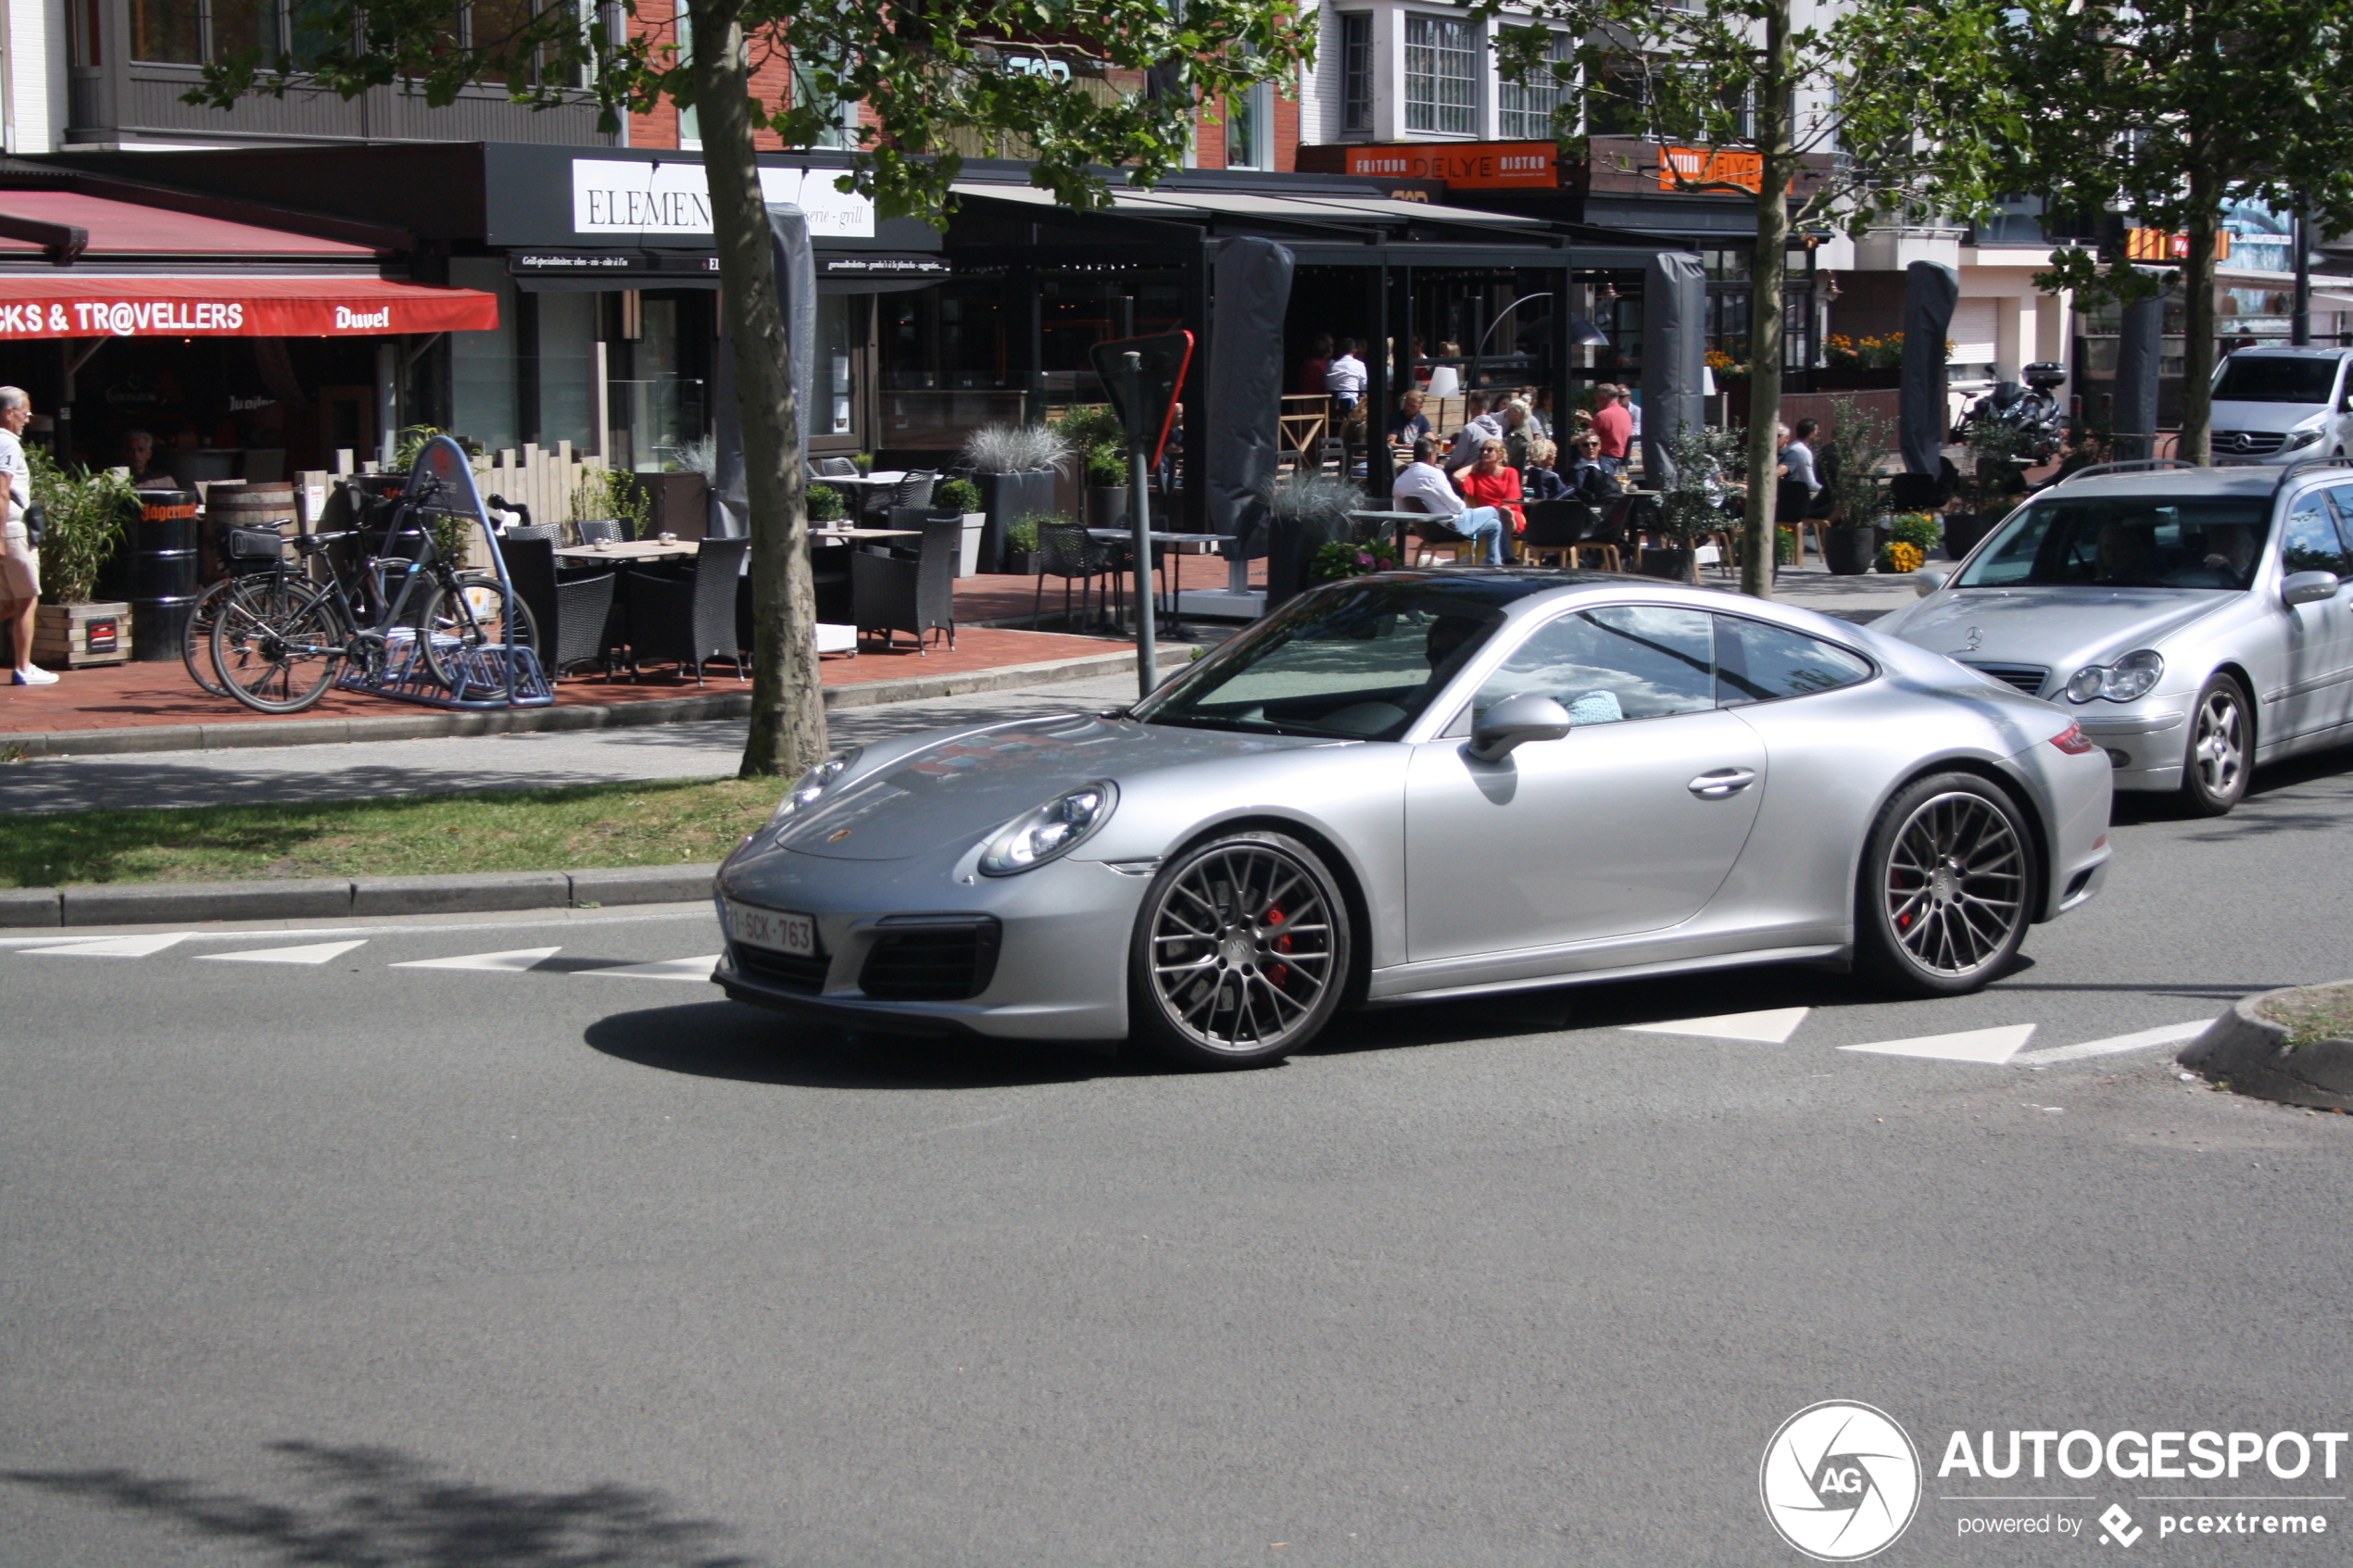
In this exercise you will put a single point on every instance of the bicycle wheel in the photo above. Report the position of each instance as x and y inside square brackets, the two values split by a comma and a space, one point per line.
[195, 643]
[478, 613]
[277, 644]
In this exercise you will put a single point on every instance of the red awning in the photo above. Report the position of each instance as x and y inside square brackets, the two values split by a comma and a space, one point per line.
[39, 305]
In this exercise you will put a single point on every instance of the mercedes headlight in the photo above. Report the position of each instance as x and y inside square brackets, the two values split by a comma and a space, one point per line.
[2300, 438]
[1054, 829]
[2129, 678]
[810, 786]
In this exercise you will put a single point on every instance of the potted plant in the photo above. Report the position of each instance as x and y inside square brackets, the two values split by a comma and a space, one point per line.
[1306, 512]
[1850, 457]
[1341, 560]
[89, 516]
[608, 495]
[1690, 507]
[962, 497]
[1914, 534]
[1998, 453]
[1013, 467]
[825, 505]
[863, 462]
[1107, 494]
[1022, 557]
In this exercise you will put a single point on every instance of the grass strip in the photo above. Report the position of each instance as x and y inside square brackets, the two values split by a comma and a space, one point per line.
[575, 829]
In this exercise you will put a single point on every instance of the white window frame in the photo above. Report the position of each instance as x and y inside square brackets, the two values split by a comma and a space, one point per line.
[1532, 101]
[1254, 109]
[1439, 31]
[1358, 72]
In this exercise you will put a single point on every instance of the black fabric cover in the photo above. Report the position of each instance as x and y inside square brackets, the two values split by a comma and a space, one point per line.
[1245, 387]
[1930, 290]
[1674, 355]
[2139, 342]
[797, 284]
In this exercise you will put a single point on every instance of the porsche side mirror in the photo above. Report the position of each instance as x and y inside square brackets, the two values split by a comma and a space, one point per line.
[2308, 587]
[1926, 583]
[1514, 722]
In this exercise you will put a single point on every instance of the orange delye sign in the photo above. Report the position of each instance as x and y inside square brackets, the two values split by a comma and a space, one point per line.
[1469, 165]
[1680, 167]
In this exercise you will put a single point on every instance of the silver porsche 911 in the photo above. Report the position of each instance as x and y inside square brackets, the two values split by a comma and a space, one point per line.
[2193, 622]
[1426, 784]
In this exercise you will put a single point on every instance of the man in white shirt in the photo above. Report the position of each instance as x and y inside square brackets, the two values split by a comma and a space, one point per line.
[1425, 482]
[20, 563]
[1344, 376]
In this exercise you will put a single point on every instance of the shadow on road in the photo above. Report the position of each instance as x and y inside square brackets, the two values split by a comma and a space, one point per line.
[378, 1508]
[729, 1040]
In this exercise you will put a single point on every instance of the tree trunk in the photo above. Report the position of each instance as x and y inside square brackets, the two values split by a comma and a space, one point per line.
[1766, 270]
[2196, 444]
[788, 703]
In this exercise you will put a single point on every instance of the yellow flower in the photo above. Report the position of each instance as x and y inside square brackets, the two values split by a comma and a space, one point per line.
[1902, 557]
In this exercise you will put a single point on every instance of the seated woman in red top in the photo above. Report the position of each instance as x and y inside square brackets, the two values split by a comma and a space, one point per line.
[1488, 481]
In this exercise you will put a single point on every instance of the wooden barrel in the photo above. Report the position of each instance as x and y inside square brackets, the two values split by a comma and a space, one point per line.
[243, 505]
[163, 573]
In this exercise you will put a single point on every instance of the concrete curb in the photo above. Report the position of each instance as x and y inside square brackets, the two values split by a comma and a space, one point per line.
[431, 724]
[339, 897]
[2252, 1054]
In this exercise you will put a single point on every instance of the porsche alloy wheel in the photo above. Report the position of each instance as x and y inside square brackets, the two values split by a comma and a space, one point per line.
[1239, 953]
[1946, 884]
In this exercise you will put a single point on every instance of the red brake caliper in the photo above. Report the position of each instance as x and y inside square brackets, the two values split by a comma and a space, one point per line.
[1280, 973]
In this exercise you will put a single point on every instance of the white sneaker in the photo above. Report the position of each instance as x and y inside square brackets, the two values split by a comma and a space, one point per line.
[32, 676]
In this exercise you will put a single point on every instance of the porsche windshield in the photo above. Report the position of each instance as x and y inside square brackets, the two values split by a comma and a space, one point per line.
[2126, 542]
[1357, 660]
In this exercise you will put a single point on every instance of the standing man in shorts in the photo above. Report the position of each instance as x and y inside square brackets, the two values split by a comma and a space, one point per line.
[19, 564]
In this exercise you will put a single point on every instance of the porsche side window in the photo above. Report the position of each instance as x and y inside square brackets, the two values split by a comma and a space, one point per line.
[1623, 662]
[2308, 542]
[1758, 663]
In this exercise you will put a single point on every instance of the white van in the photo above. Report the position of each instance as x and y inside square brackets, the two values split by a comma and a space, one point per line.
[2278, 405]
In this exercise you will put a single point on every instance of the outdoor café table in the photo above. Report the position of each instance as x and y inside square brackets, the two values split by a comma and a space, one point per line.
[851, 535]
[630, 550]
[866, 486]
[1175, 541]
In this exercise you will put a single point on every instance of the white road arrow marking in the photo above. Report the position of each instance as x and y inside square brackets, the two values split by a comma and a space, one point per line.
[1992, 1047]
[1772, 1027]
[507, 963]
[669, 968]
[114, 946]
[2171, 1034]
[318, 952]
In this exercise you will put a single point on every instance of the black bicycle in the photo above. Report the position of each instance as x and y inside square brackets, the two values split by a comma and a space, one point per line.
[279, 640]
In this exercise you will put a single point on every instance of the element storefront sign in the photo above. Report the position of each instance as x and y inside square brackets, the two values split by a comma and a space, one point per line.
[47, 306]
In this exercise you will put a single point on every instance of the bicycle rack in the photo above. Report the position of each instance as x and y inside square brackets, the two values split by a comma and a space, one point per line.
[493, 676]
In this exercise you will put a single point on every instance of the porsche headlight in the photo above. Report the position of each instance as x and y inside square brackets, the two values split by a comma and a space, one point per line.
[2130, 678]
[1054, 829]
[810, 786]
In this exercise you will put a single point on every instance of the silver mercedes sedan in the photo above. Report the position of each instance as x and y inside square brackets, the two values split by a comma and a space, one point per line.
[1426, 784]
[2193, 622]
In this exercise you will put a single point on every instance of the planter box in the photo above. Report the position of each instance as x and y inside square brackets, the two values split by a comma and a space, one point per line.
[1848, 552]
[73, 636]
[1107, 505]
[681, 503]
[1005, 499]
[1025, 563]
[1884, 378]
[968, 552]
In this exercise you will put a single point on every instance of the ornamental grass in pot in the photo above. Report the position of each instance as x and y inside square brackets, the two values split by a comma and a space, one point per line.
[1013, 466]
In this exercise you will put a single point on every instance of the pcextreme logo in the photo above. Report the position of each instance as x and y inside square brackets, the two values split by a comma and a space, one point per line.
[1840, 1481]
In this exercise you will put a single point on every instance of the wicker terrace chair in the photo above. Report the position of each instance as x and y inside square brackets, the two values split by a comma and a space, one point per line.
[690, 618]
[571, 612]
[891, 593]
[836, 468]
[913, 490]
[604, 531]
[1066, 552]
[1553, 529]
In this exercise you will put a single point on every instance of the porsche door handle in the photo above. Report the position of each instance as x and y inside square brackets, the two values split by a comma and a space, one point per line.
[1722, 783]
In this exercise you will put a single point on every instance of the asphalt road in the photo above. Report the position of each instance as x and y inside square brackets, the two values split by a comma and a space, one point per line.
[351, 1264]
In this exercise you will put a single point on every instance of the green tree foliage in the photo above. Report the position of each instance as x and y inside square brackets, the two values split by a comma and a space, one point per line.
[2167, 110]
[924, 70]
[1832, 109]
